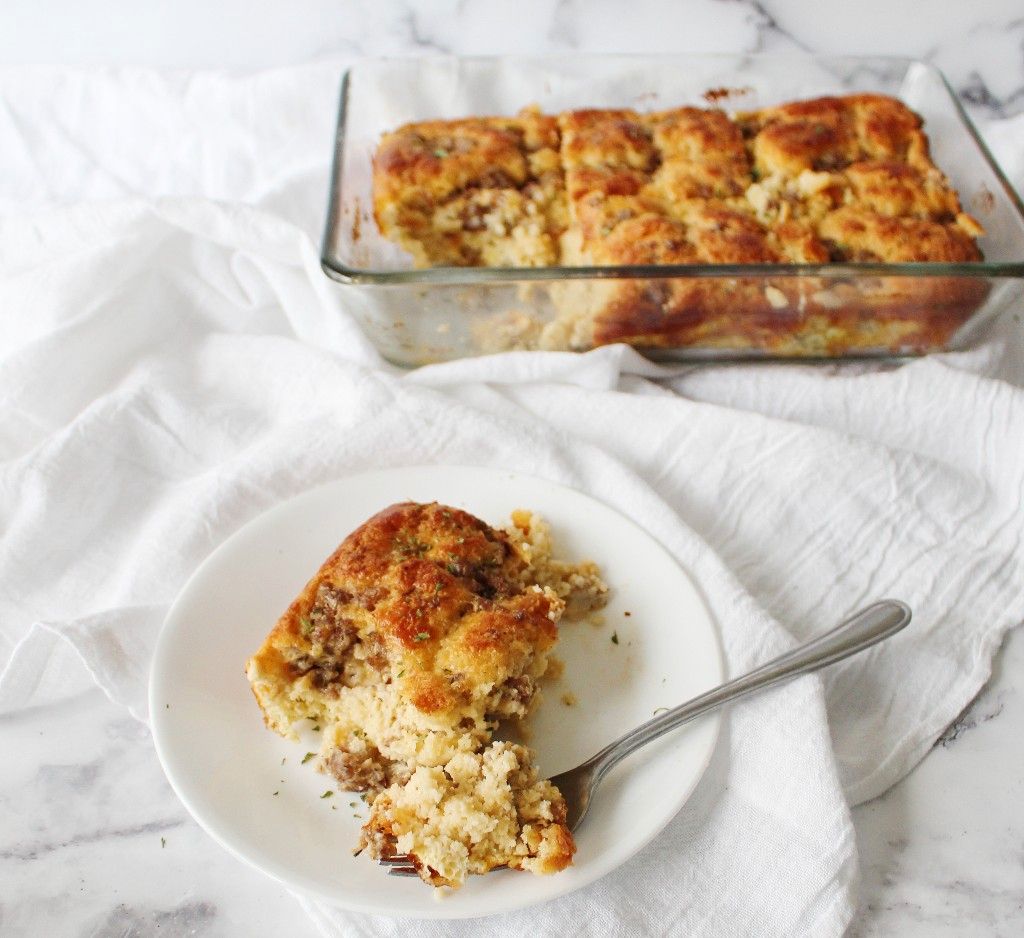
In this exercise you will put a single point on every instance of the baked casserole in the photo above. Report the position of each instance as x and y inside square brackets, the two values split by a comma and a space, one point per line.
[417, 637]
[833, 180]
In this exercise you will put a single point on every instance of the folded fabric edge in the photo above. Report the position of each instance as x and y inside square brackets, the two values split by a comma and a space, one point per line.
[25, 672]
[99, 647]
[901, 761]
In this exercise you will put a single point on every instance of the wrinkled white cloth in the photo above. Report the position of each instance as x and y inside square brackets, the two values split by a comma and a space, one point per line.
[173, 363]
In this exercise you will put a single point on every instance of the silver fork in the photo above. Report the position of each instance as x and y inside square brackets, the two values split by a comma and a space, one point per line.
[861, 630]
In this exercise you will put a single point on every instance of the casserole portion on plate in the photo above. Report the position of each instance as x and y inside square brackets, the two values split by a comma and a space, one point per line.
[417, 637]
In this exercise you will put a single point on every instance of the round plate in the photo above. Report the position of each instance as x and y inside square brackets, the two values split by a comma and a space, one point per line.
[247, 787]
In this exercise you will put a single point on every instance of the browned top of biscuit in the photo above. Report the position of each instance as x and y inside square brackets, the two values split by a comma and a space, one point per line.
[434, 596]
[828, 179]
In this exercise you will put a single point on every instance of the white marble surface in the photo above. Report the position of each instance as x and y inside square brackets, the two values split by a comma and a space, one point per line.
[977, 44]
[93, 841]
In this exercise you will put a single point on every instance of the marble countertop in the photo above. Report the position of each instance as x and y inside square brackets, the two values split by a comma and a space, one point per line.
[92, 839]
[978, 45]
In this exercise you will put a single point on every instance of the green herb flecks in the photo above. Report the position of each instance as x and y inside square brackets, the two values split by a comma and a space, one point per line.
[412, 548]
[307, 757]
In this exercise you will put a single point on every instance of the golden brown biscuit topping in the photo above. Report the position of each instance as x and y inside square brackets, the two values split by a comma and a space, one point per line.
[729, 185]
[828, 180]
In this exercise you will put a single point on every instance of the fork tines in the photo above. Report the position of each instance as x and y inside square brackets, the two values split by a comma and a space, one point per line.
[401, 864]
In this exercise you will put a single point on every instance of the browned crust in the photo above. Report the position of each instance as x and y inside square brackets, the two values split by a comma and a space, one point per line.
[437, 593]
[444, 190]
[831, 179]
[898, 315]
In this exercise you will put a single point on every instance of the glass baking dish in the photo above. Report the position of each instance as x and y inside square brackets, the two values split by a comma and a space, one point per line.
[881, 310]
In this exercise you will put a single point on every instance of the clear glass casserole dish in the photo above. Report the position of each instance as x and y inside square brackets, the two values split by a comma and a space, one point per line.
[778, 310]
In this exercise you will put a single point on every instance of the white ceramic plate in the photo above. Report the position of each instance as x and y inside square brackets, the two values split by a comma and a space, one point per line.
[226, 767]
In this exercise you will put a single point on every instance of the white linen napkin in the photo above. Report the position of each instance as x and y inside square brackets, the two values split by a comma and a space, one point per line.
[170, 368]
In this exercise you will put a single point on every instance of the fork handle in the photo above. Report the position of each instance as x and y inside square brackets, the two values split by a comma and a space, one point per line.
[861, 630]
